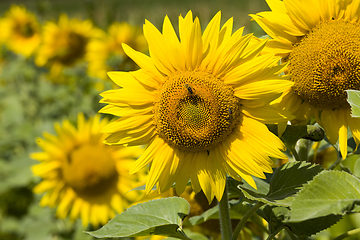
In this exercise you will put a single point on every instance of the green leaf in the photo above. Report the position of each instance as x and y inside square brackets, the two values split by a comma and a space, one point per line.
[261, 184]
[357, 168]
[279, 216]
[288, 179]
[157, 217]
[312, 226]
[330, 192]
[354, 101]
[285, 182]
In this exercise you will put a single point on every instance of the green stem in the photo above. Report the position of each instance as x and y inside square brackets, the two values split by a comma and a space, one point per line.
[303, 145]
[291, 234]
[348, 234]
[335, 164]
[273, 234]
[224, 215]
[294, 152]
[244, 219]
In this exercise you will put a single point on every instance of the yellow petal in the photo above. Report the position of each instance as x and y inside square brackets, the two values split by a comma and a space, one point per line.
[203, 174]
[331, 125]
[158, 166]
[143, 61]
[343, 132]
[150, 152]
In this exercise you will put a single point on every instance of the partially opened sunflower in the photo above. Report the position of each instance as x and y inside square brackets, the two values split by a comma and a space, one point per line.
[200, 103]
[83, 177]
[321, 41]
[64, 44]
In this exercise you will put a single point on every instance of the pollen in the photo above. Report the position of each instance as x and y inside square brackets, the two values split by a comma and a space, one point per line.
[196, 111]
[326, 62]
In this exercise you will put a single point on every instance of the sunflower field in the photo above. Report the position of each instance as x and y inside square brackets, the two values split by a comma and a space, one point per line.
[218, 119]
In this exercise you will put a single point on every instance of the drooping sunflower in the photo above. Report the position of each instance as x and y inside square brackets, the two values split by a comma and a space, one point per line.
[64, 44]
[320, 39]
[106, 54]
[81, 175]
[201, 102]
[20, 31]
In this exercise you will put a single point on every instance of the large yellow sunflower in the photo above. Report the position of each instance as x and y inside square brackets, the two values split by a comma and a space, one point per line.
[107, 54]
[81, 175]
[321, 41]
[64, 44]
[20, 31]
[200, 102]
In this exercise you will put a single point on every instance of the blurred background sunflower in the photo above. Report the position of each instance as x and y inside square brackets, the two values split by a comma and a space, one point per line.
[20, 31]
[82, 176]
[106, 54]
[51, 69]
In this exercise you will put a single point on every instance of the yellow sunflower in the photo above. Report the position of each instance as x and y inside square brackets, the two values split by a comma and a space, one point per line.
[64, 44]
[20, 31]
[81, 175]
[321, 41]
[107, 54]
[201, 103]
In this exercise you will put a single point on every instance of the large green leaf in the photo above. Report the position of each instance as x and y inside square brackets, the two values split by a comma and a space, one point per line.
[288, 179]
[312, 226]
[330, 192]
[285, 182]
[354, 101]
[279, 216]
[157, 217]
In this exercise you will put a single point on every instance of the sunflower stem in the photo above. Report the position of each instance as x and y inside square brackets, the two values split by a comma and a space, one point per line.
[224, 215]
[293, 151]
[335, 164]
[348, 234]
[241, 224]
[291, 234]
[273, 234]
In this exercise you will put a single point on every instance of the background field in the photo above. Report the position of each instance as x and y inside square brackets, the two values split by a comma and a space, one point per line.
[103, 12]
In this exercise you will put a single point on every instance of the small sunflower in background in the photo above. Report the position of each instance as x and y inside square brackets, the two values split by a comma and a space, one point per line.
[200, 103]
[107, 54]
[64, 44]
[320, 39]
[20, 31]
[83, 177]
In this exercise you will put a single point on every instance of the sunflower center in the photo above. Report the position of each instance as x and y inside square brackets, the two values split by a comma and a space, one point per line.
[25, 30]
[90, 170]
[196, 111]
[72, 47]
[326, 62]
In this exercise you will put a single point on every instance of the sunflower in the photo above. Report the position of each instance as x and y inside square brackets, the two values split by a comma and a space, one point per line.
[107, 54]
[320, 40]
[20, 31]
[201, 103]
[81, 175]
[64, 44]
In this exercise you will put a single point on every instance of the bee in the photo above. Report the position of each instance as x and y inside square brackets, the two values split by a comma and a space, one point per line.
[230, 111]
[190, 90]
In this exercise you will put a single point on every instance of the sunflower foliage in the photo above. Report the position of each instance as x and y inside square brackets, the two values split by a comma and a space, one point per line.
[198, 136]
